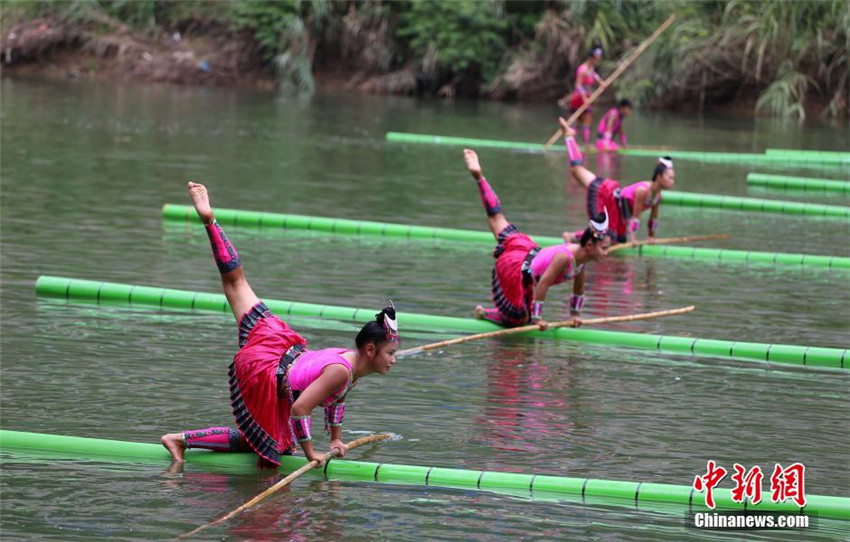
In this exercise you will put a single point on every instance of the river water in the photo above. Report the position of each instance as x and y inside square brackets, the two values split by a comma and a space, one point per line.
[86, 168]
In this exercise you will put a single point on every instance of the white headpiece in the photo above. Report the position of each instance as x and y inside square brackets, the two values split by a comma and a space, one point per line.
[666, 162]
[391, 326]
[600, 229]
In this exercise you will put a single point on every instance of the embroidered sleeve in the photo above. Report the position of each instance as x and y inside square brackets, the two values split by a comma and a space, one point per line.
[334, 413]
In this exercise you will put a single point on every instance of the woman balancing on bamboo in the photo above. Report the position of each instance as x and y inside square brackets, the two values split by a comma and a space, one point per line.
[623, 205]
[586, 77]
[275, 382]
[524, 272]
[611, 125]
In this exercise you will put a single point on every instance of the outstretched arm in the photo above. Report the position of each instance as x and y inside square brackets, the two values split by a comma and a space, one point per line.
[577, 299]
[557, 267]
[634, 221]
[333, 377]
[653, 220]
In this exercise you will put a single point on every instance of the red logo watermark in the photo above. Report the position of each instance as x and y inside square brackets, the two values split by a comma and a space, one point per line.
[785, 484]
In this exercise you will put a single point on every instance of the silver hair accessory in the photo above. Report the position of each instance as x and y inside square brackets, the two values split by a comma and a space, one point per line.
[597, 52]
[391, 326]
[600, 229]
[666, 163]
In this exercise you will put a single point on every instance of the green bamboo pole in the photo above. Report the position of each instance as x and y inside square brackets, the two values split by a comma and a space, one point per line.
[840, 161]
[643, 495]
[787, 182]
[124, 294]
[743, 256]
[735, 203]
[399, 137]
[254, 219]
[802, 152]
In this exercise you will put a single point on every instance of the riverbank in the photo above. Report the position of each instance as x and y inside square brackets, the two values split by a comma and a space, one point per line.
[712, 60]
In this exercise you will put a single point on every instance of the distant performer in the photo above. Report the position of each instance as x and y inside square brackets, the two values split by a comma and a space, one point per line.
[611, 125]
[586, 78]
[524, 272]
[623, 205]
[275, 381]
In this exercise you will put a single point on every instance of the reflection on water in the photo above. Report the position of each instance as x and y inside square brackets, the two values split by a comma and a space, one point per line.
[86, 169]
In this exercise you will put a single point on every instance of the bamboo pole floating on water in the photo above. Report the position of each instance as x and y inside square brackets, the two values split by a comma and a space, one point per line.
[341, 226]
[826, 162]
[288, 480]
[804, 152]
[670, 241]
[649, 496]
[787, 182]
[736, 203]
[791, 160]
[111, 293]
[611, 78]
[553, 325]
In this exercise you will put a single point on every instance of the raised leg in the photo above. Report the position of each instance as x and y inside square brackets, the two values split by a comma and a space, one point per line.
[238, 292]
[581, 174]
[495, 218]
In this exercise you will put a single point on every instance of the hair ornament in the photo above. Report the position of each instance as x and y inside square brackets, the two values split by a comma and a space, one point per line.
[390, 324]
[600, 229]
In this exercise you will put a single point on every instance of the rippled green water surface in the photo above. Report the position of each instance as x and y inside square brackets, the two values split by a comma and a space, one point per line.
[87, 167]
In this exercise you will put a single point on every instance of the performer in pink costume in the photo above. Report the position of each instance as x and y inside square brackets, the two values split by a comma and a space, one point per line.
[524, 272]
[624, 206]
[275, 382]
[611, 125]
[586, 78]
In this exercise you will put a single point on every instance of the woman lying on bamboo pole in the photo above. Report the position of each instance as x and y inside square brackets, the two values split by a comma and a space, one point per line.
[524, 272]
[623, 205]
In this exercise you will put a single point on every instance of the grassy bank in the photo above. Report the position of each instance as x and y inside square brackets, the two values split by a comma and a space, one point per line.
[780, 58]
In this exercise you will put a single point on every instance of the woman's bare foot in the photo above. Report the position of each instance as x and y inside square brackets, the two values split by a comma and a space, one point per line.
[479, 312]
[472, 164]
[569, 132]
[173, 442]
[201, 201]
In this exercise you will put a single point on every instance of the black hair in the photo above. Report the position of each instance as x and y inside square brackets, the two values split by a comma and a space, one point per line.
[624, 103]
[660, 168]
[593, 48]
[374, 331]
[588, 235]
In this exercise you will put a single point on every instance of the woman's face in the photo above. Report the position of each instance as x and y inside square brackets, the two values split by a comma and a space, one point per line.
[668, 178]
[598, 250]
[382, 358]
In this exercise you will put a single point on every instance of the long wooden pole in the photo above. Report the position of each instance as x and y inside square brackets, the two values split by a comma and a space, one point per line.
[288, 480]
[670, 241]
[611, 78]
[532, 327]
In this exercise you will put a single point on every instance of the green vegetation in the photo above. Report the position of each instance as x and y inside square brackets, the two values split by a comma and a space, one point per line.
[783, 55]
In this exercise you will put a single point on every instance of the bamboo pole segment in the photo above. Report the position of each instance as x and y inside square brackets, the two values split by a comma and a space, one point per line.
[670, 241]
[787, 182]
[116, 294]
[340, 226]
[553, 325]
[611, 78]
[620, 494]
[591, 149]
[288, 480]
[755, 205]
